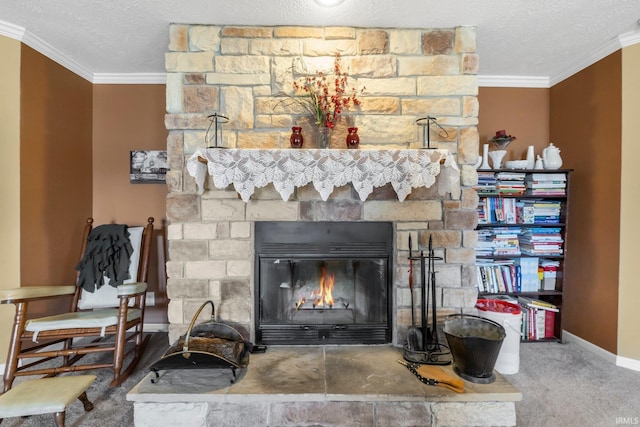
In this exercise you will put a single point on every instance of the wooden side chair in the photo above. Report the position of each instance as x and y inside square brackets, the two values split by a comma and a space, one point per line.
[109, 320]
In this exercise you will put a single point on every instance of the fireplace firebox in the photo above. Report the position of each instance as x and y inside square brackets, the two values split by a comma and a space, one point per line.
[323, 282]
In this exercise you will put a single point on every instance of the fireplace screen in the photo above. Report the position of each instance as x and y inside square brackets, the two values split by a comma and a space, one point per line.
[323, 283]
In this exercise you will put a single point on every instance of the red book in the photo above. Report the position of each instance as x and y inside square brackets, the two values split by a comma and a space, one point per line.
[549, 324]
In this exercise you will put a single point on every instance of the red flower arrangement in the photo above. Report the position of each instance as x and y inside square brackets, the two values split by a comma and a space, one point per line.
[327, 104]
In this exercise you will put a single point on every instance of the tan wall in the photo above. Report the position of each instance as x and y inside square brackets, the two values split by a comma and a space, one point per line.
[629, 292]
[10, 177]
[125, 118]
[585, 123]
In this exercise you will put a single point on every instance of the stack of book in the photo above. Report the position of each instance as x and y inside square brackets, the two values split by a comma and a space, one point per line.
[498, 241]
[538, 318]
[496, 210]
[511, 183]
[486, 184]
[484, 247]
[546, 184]
[538, 241]
[538, 211]
[546, 211]
[496, 276]
[506, 241]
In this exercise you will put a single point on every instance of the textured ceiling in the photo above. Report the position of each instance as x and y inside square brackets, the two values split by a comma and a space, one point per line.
[516, 39]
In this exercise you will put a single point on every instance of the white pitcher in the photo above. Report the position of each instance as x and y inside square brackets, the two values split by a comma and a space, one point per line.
[551, 157]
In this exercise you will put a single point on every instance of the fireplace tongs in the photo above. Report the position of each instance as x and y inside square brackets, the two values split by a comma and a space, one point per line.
[208, 345]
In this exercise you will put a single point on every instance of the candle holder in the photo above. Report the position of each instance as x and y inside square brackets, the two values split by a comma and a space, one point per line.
[216, 121]
[425, 122]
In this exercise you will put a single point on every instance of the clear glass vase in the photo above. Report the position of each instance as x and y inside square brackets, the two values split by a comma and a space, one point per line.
[323, 136]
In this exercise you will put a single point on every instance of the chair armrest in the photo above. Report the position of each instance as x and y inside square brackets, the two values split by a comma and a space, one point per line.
[130, 289]
[10, 296]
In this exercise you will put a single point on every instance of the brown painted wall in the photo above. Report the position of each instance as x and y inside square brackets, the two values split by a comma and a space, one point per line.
[125, 118]
[522, 112]
[55, 169]
[585, 122]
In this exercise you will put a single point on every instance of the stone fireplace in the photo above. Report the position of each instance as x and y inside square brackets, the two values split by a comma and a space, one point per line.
[217, 244]
[242, 72]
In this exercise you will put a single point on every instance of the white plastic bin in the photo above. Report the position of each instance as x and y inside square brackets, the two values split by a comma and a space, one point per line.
[509, 315]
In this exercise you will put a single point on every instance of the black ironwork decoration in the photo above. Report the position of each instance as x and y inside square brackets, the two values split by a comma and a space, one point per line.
[216, 121]
[426, 123]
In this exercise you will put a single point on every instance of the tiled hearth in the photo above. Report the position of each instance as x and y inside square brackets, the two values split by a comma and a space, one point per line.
[319, 386]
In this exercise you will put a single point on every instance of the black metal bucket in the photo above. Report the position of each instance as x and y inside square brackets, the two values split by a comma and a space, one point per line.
[475, 344]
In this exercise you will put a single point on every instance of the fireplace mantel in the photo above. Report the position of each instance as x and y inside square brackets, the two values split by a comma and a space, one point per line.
[286, 169]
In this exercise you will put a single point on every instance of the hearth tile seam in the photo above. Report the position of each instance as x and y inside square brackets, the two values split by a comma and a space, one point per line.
[324, 364]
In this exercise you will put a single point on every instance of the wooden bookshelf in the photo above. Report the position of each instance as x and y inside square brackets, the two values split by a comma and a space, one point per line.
[507, 209]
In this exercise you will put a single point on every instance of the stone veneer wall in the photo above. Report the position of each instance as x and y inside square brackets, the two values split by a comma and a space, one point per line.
[245, 73]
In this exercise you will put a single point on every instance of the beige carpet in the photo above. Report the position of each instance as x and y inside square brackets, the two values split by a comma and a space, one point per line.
[110, 404]
[566, 385]
[562, 385]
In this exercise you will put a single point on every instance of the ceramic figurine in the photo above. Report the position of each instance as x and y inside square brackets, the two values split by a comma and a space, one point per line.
[539, 164]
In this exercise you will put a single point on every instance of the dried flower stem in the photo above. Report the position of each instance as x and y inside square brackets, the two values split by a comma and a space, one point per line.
[325, 104]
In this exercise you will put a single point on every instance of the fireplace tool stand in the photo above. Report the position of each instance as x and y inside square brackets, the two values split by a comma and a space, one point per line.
[433, 351]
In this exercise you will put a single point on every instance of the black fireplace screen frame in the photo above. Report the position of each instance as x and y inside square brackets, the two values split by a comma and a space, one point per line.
[355, 241]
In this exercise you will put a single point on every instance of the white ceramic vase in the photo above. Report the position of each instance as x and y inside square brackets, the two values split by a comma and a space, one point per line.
[531, 157]
[485, 157]
[496, 158]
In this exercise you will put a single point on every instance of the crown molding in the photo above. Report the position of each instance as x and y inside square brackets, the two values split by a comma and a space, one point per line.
[55, 55]
[12, 31]
[513, 81]
[130, 78]
[586, 61]
[615, 44]
[19, 33]
[630, 38]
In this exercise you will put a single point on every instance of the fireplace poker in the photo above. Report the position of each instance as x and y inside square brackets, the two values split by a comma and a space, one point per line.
[414, 336]
[439, 354]
[433, 336]
[425, 300]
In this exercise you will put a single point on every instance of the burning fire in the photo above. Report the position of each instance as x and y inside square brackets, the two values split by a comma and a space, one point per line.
[323, 296]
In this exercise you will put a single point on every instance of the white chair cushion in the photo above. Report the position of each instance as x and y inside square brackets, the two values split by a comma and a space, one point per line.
[107, 295]
[43, 395]
[80, 319]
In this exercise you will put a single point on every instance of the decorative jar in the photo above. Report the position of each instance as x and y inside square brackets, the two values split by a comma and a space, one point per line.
[353, 140]
[296, 139]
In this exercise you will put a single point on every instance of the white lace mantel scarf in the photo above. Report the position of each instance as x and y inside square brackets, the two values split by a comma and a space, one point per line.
[248, 169]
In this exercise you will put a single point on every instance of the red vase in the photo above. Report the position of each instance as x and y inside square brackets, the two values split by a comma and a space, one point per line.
[296, 139]
[353, 140]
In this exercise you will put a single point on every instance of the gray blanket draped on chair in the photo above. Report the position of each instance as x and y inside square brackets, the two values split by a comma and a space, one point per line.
[107, 254]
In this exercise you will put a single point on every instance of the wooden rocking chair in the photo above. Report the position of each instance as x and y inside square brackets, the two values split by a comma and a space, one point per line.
[108, 320]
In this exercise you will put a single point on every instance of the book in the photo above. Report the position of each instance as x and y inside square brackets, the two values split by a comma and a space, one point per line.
[550, 324]
[540, 317]
[536, 303]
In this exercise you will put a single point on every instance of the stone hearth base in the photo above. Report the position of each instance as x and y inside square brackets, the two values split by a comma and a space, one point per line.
[319, 385]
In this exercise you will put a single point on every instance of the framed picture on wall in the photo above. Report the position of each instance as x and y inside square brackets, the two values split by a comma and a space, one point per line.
[148, 166]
